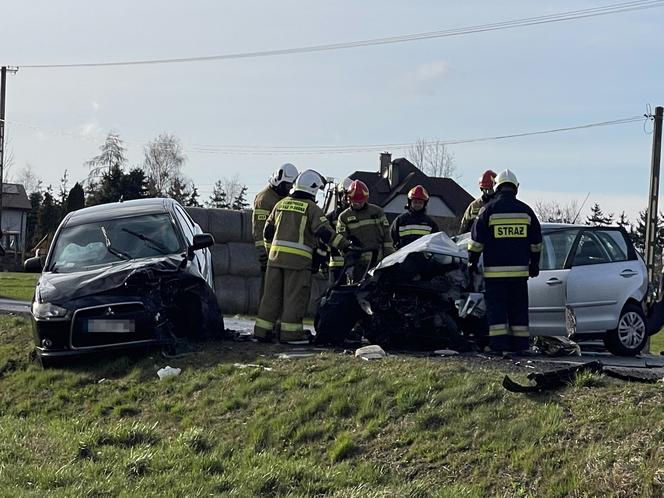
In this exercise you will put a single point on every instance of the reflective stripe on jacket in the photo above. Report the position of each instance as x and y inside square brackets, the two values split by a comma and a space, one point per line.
[264, 203]
[368, 227]
[410, 226]
[509, 234]
[471, 213]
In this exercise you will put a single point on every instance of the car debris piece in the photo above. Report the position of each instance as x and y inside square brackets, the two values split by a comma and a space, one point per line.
[372, 352]
[251, 365]
[551, 380]
[445, 352]
[556, 346]
[168, 371]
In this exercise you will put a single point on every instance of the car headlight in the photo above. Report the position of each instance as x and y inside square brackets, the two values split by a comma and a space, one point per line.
[48, 310]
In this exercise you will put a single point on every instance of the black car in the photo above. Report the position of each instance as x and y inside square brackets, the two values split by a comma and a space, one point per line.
[124, 274]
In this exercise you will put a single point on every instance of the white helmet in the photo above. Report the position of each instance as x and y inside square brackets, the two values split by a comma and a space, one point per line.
[285, 174]
[309, 182]
[344, 185]
[506, 176]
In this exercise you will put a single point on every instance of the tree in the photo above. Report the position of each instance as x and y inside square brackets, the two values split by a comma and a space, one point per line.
[75, 199]
[555, 212]
[117, 185]
[623, 221]
[178, 190]
[240, 201]
[192, 200]
[218, 198]
[49, 215]
[64, 186]
[36, 200]
[162, 163]
[29, 179]
[597, 217]
[112, 155]
[433, 158]
[638, 233]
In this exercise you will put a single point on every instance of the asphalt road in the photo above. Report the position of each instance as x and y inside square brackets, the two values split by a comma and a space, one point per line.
[13, 306]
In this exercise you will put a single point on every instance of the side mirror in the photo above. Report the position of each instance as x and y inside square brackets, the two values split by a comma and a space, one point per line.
[33, 265]
[201, 241]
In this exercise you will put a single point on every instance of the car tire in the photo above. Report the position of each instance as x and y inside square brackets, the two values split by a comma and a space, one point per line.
[631, 335]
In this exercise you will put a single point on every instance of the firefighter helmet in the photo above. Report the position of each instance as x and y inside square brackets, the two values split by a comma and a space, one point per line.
[418, 192]
[309, 182]
[505, 177]
[285, 174]
[487, 179]
[358, 192]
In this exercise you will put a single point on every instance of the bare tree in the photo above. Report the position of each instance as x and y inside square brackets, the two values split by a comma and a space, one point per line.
[112, 154]
[232, 186]
[555, 212]
[8, 161]
[164, 157]
[30, 180]
[434, 158]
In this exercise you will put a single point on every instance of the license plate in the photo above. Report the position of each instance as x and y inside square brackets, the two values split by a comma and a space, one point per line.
[112, 326]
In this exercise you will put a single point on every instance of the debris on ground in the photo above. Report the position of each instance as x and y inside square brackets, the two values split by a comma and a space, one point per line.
[168, 371]
[251, 365]
[445, 352]
[553, 379]
[372, 352]
[556, 346]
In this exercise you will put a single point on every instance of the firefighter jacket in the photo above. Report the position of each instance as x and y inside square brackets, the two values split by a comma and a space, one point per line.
[472, 211]
[509, 234]
[410, 226]
[264, 203]
[336, 258]
[368, 228]
[292, 229]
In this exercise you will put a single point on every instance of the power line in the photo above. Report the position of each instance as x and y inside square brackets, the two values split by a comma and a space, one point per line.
[481, 28]
[345, 149]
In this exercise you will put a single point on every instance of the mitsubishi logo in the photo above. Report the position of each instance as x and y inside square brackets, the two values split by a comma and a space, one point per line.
[109, 312]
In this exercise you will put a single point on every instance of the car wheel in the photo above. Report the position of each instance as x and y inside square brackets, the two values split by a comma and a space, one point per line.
[631, 335]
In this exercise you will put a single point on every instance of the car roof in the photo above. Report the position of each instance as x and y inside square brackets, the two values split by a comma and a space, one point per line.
[556, 226]
[118, 210]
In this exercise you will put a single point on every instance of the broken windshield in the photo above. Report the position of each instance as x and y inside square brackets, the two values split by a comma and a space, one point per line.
[93, 244]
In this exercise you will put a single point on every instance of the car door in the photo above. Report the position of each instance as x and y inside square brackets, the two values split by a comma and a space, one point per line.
[604, 272]
[547, 292]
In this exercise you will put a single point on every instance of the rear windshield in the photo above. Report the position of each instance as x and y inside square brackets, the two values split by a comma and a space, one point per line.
[93, 244]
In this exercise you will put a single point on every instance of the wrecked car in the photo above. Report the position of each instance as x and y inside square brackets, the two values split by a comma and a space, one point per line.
[121, 275]
[422, 297]
[592, 283]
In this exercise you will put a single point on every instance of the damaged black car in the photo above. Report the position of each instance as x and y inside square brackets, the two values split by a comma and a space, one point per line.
[125, 274]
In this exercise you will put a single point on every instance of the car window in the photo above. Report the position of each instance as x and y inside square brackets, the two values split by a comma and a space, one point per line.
[556, 245]
[615, 244]
[110, 241]
[185, 224]
[590, 250]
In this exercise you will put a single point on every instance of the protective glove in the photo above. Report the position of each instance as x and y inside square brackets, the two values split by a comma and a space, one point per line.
[533, 270]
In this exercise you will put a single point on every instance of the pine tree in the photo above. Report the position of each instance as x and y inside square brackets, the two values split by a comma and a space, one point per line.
[192, 200]
[49, 215]
[597, 217]
[218, 199]
[75, 199]
[623, 221]
[240, 202]
[36, 200]
[115, 185]
[178, 191]
[112, 155]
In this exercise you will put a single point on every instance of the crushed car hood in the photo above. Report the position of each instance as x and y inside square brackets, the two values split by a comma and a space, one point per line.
[58, 288]
[437, 243]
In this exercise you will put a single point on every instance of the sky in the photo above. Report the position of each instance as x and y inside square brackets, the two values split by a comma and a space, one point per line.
[486, 84]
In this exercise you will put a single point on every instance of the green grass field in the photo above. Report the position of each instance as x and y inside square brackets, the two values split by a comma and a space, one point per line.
[18, 285]
[328, 425]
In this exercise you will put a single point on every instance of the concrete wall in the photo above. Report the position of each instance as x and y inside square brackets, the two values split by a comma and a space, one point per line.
[235, 261]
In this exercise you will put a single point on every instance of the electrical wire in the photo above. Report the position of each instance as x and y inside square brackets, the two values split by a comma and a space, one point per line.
[239, 150]
[481, 28]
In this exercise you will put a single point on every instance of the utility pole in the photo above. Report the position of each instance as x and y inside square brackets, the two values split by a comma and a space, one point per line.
[651, 212]
[3, 89]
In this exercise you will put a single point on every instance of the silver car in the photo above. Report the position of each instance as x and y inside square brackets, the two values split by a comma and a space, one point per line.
[592, 280]
[595, 276]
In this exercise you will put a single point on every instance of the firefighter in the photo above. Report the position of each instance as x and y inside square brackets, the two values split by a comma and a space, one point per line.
[336, 261]
[291, 232]
[486, 186]
[366, 226]
[279, 184]
[415, 222]
[508, 233]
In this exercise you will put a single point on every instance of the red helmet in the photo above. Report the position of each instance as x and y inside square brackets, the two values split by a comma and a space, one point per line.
[487, 179]
[358, 191]
[418, 192]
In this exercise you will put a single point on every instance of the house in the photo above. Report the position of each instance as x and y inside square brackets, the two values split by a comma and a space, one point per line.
[15, 209]
[389, 186]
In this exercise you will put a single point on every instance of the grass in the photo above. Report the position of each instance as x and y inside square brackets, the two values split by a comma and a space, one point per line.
[657, 342]
[18, 285]
[328, 425]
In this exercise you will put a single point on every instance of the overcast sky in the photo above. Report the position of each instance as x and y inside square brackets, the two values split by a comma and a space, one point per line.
[502, 82]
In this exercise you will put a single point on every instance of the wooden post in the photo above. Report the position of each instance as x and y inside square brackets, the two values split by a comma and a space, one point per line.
[651, 212]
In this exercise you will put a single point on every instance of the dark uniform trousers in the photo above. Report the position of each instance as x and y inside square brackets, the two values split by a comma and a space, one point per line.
[285, 296]
[507, 309]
